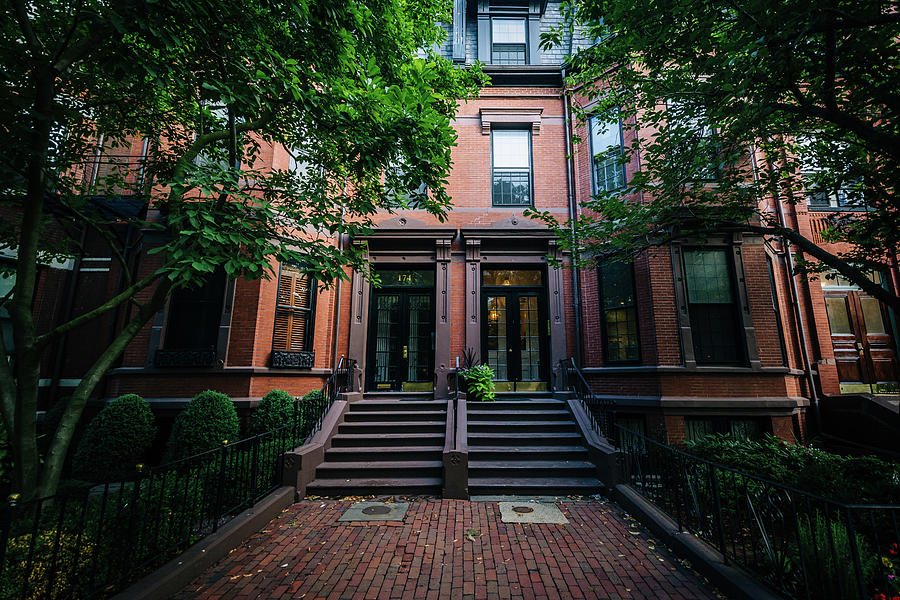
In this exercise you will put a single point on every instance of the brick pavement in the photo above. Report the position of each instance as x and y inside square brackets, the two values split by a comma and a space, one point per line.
[306, 553]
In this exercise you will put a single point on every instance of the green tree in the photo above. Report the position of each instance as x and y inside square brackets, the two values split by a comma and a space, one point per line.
[733, 104]
[344, 84]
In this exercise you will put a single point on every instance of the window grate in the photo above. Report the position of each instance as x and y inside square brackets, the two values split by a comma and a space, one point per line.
[512, 187]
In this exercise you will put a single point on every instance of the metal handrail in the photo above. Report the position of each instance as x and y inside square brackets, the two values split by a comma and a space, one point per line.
[600, 411]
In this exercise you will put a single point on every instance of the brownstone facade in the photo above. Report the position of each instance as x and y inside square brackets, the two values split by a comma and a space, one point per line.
[766, 390]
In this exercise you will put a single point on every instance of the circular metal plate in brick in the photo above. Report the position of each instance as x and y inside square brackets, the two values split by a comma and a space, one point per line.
[376, 510]
[522, 510]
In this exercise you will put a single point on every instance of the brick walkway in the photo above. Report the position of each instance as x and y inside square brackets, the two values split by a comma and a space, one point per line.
[306, 553]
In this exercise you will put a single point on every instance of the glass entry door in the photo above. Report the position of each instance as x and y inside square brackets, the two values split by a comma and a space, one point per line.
[401, 339]
[515, 332]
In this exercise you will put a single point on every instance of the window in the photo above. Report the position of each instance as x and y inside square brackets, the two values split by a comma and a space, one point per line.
[747, 428]
[398, 188]
[606, 153]
[631, 432]
[617, 303]
[294, 310]
[508, 46]
[712, 308]
[827, 186]
[194, 315]
[511, 162]
[695, 150]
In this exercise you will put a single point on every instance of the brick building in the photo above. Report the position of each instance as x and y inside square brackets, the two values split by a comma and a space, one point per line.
[729, 359]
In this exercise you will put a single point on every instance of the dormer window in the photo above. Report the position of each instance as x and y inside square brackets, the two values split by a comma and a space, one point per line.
[508, 41]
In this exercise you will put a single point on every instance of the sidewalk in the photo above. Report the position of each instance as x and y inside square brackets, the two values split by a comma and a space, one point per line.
[306, 553]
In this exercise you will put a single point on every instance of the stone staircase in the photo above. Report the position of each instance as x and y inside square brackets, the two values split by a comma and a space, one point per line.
[527, 446]
[387, 444]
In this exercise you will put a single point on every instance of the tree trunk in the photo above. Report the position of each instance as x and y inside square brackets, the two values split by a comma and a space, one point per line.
[62, 438]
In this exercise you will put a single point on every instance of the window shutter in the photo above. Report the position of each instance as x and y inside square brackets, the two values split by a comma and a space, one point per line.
[293, 310]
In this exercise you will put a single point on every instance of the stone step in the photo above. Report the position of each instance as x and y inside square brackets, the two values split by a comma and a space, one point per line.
[517, 405]
[518, 439]
[380, 469]
[538, 486]
[393, 427]
[530, 468]
[375, 486]
[388, 439]
[528, 452]
[351, 454]
[397, 415]
[397, 405]
[521, 427]
[500, 416]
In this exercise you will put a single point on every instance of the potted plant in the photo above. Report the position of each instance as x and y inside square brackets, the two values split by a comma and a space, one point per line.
[479, 383]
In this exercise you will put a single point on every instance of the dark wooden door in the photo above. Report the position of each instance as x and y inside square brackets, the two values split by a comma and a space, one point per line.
[864, 349]
[401, 341]
[514, 339]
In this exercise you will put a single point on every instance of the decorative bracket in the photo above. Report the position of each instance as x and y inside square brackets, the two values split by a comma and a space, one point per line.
[511, 116]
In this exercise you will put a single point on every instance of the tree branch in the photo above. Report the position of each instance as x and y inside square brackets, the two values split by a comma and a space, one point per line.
[110, 304]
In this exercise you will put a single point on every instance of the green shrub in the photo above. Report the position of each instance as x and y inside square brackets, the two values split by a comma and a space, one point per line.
[827, 556]
[276, 409]
[854, 480]
[115, 440]
[208, 420]
[310, 411]
[479, 382]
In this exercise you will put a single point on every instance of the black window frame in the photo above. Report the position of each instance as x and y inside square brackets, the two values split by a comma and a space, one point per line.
[696, 308]
[607, 155]
[218, 280]
[524, 45]
[603, 316]
[529, 134]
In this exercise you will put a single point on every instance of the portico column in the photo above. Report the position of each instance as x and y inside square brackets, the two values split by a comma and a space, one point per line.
[557, 314]
[473, 296]
[442, 318]
[359, 310]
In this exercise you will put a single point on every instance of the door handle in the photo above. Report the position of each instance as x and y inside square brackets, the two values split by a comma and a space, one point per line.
[860, 348]
[405, 352]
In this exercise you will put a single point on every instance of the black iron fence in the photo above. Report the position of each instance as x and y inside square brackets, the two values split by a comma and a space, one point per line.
[91, 542]
[600, 410]
[802, 545]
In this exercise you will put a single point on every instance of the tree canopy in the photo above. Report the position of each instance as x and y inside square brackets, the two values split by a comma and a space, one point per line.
[729, 105]
[349, 87]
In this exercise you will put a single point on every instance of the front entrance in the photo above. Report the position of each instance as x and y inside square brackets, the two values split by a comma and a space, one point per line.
[516, 329]
[401, 333]
[864, 349]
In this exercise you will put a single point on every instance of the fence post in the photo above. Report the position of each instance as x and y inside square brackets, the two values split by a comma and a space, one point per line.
[253, 468]
[133, 525]
[220, 492]
[718, 503]
[854, 548]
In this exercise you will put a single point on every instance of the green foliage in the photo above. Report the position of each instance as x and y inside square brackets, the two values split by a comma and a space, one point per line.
[211, 87]
[209, 420]
[115, 440]
[826, 551]
[276, 409]
[853, 480]
[750, 95]
[479, 382]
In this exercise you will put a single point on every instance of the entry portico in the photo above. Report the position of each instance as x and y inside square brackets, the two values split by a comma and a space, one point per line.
[496, 278]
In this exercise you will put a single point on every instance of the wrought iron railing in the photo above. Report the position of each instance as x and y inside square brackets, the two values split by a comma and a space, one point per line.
[802, 545]
[601, 411]
[341, 380]
[120, 173]
[91, 542]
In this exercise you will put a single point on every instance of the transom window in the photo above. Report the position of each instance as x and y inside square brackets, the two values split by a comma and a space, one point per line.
[606, 153]
[511, 165]
[712, 307]
[508, 46]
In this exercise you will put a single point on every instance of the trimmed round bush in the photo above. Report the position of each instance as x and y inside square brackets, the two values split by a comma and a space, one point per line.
[276, 409]
[208, 420]
[115, 440]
